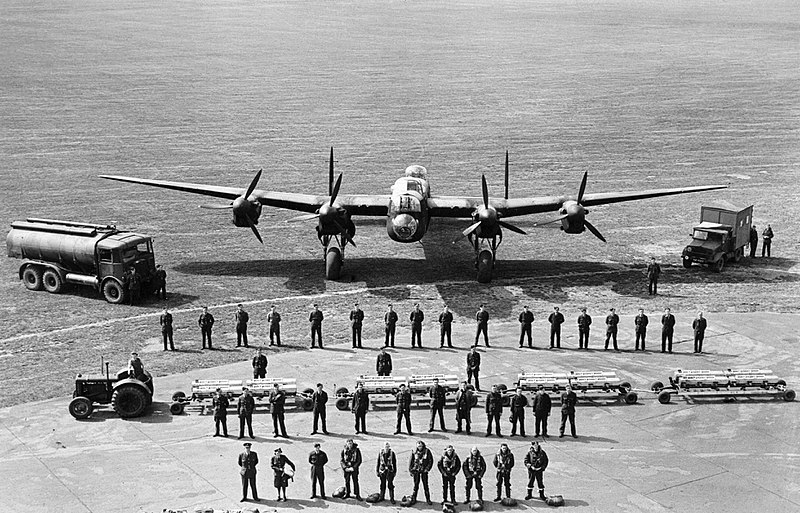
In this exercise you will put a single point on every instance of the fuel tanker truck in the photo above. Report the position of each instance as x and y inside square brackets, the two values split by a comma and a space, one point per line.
[55, 253]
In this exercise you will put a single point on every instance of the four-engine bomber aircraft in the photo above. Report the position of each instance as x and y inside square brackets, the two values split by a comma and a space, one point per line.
[408, 211]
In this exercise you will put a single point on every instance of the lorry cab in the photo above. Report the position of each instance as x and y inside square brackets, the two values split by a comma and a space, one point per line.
[116, 254]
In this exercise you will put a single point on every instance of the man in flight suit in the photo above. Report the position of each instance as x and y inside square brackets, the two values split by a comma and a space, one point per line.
[449, 465]
[474, 467]
[390, 321]
[536, 462]
[445, 326]
[556, 319]
[351, 461]
[315, 318]
[612, 323]
[482, 320]
[274, 320]
[260, 365]
[416, 317]
[242, 318]
[356, 321]
[464, 407]
[526, 319]
[206, 322]
[386, 469]
[494, 410]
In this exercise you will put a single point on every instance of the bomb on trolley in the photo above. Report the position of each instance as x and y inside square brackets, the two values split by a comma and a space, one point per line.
[587, 385]
[728, 384]
[203, 391]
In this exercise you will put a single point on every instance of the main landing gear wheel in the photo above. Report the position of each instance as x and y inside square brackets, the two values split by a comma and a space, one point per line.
[333, 264]
[32, 277]
[485, 265]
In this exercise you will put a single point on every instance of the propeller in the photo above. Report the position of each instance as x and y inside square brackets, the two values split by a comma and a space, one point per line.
[328, 213]
[575, 213]
[243, 208]
[487, 216]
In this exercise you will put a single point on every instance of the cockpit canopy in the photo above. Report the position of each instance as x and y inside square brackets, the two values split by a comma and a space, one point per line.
[416, 171]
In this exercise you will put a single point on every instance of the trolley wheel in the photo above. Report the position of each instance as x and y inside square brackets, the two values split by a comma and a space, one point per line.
[307, 404]
[656, 386]
[473, 402]
[177, 396]
[176, 408]
[789, 395]
[342, 404]
[342, 391]
[780, 383]
[664, 396]
[307, 391]
[470, 387]
[624, 387]
[631, 398]
[502, 388]
[32, 277]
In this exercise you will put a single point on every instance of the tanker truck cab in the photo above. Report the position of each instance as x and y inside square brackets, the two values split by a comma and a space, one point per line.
[116, 255]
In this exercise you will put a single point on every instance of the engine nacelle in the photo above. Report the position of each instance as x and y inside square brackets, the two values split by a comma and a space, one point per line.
[576, 214]
[244, 210]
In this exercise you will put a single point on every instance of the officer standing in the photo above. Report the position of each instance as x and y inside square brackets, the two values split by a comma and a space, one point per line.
[518, 404]
[526, 319]
[220, 406]
[161, 282]
[612, 323]
[766, 244]
[245, 408]
[315, 318]
[503, 462]
[383, 365]
[386, 468]
[247, 470]
[318, 459]
[403, 399]
[134, 286]
[277, 407]
[416, 317]
[542, 404]
[445, 326]
[699, 326]
[274, 320]
[135, 367]
[667, 328]
[166, 329]
[318, 400]
[641, 322]
[474, 367]
[536, 462]
[360, 408]
[753, 241]
[260, 365]
[242, 318]
[449, 465]
[584, 323]
[351, 461]
[474, 468]
[420, 463]
[494, 410]
[356, 321]
[437, 395]
[390, 322]
[281, 480]
[653, 272]
[482, 320]
[556, 319]
[206, 322]
[568, 401]
[464, 407]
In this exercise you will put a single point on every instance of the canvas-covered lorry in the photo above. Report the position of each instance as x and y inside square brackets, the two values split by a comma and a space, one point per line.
[55, 253]
[720, 237]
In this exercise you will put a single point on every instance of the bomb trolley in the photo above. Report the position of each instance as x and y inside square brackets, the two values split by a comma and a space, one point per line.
[382, 389]
[203, 391]
[727, 384]
[587, 385]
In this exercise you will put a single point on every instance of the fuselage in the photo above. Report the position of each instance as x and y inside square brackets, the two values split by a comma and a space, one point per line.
[407, 220]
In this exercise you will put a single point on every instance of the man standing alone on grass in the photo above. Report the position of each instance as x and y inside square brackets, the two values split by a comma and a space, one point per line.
[166, 329]
[482, 319]
[356, 321]
[526, 319]
[653, 272]
[316, 318]
[206, 322]
[274, 320]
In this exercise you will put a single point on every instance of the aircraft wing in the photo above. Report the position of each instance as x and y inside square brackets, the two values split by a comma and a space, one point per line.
[356, 204]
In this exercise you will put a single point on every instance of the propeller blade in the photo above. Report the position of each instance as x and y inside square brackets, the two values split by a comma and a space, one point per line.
[304, 217]
[594, 230]
[255, 230]
[512, 227]
[336, 189]
[330, 173]
[506, 174]
[253, 184]
[583, 186]
[471, 229]
[485, 191]
[217, 206]
[345, 235]
[542, 223]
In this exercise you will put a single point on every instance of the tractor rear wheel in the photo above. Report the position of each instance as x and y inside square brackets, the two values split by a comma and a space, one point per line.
[113, 292]
[51, 281]
[129, 401]
[485, 266]
[80, 407]
[32, 277]
[333, 264]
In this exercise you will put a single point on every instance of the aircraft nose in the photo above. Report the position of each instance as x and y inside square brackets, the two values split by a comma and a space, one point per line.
[405, 226]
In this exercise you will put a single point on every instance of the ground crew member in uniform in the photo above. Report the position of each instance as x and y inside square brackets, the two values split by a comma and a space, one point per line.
[166, 329]
[242, 319]
[526, 319]
[360, 408]
[386, 469]
[584, 323]
[277, 407]
[161, 282]
[482, 318]
[445, 326]
[699, 326]
[518, 404]
[420, 463]
[245, 408]
[556, 319]
[220, 406]
[437, 394]
[134, 286]
[653, 272]
[318, 459]
[464, 407]
[766, 244]
[247, 470]
[568, 401]
[351, 461]
[278, 464]
[536, 462]
[503, 462]
[260, 363]
[612, 323]
[641, 322]
[356, 321]
[753, 241]
[474, 467]
[274, 320]
[403, 399]
[318, 400]
[474, 367]
[383, 365]
[390, 321]
[206, 322]
[449, 465]
[416, 317]
[315, 318]
[135, 367]
[667, 327]
[494, 410]
[541, 410]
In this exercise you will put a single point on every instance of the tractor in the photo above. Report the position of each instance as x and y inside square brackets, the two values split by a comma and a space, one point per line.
[129, 396]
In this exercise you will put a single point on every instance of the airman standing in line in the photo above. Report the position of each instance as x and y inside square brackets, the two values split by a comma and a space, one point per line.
[482, 320]
[416, 317]
[474, 468]
[260, 363]
[315, 318]
[318, 400]
[245, 408]
[503, 462]
[474, 367]
[383, 365]
[360, 408]
[653, 272]
[351, 461]
[536, 462]
[494, 410]
[390, 321]
[542, 404]
[766, 244]
[247, 470]
[449, 465]
[667, 330]
[445, 326]
[242, 318]
[386, 469]
[220, 406]
[277, 407]
[356, 321]
[612, 323]
[699, 326]
[641, 322]
[556, 319]
[584, 323]
[568, 401]
[526, 319]
[420, 463]
[437, 394]
[403, 398]
[206, 322]
[318, 459]
[166, 329]
[518, 404]
[274, 320]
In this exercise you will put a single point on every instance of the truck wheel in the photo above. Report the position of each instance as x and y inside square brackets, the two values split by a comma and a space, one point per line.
[738, 254]
[32, 277]
[129, 401]
[631, 398]
[687, 262]
[51, 281]
[718, 266]
[342, 404]
[112, 291]
[664, 396]
[333, 264]
[80, 408]
[485, 266]
[176, 408]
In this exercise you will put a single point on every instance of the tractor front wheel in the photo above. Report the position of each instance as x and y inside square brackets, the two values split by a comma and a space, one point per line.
[80, 407]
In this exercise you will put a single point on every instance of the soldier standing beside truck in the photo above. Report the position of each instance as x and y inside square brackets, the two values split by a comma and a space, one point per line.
[161, 282]
[753, 241]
